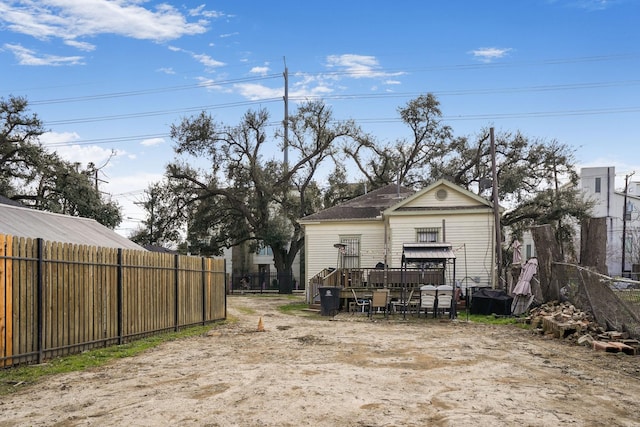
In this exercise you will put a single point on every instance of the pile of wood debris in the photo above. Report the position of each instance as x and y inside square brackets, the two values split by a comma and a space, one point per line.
[564, 320]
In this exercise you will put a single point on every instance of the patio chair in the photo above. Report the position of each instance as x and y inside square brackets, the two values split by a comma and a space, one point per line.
[361, 303]
[403, 306]
[380, 301]
[428, 300]
[445, 299]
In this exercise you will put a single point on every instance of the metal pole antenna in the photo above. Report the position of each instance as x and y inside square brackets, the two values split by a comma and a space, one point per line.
[624, 221]
[496, 209]
[286, 116]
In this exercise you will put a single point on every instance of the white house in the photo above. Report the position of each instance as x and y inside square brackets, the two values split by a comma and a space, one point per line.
[373, 228]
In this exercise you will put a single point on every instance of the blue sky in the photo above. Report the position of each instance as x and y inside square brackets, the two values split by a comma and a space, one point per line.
[108, 78]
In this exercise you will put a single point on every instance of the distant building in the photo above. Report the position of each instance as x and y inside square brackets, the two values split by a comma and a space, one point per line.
[598, 185]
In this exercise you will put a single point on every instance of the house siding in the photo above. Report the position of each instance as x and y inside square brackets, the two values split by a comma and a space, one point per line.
[320, 238]
[471, 236]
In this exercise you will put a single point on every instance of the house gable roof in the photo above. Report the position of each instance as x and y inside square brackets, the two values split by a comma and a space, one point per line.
[365, 207]
[30, 223]
[441, 195]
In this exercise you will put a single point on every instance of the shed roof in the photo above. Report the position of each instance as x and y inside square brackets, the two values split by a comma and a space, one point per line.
[427, 252]
[30, 223]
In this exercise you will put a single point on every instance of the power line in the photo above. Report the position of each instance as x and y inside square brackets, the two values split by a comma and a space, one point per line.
[159, 113]
[206, 85]
[543, 88]
[381, 120]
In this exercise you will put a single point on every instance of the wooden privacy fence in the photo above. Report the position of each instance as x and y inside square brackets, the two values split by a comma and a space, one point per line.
[59, 298]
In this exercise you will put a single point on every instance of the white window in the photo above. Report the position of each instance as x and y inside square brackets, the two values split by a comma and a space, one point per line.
[428, 235]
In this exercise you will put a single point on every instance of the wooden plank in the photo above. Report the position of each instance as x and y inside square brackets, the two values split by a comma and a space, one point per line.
[58, 308]
[89, 288]
[3, 290]
[9, 265]
[21, 300]
[6, 314]
[47, 299]
[62, 297]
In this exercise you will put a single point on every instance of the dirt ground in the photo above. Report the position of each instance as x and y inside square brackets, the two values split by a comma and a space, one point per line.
[343, 371]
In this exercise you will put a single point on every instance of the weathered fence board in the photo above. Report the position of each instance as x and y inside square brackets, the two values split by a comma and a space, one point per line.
[58, 298]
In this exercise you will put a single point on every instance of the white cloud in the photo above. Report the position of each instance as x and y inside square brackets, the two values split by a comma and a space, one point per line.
[488, 54]
[199, 11]
[87, 47]
[202, 58]
[152, 141]
[63, 144]
[210, 84]
[167, 70]
[357, 66]
[73, 19]
[259, 70]
[29, 57]
[590, 5]
[128, 191]
[207, 61]
[256, 92]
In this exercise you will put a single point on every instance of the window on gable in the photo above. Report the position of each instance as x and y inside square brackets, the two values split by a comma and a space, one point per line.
[428, 235]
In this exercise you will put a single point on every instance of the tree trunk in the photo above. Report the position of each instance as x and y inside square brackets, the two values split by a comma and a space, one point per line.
[548, 252]
[282, 261]
[593, 244]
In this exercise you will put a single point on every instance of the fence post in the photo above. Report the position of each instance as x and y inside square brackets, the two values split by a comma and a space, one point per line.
[176, 277]
[204, 290]
[120, 296]
[39, 300]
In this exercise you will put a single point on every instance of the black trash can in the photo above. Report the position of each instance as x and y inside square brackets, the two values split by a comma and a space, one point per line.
[329, 301]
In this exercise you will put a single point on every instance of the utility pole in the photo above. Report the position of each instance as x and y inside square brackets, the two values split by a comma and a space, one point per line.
[286, 116]
[496, 208]
[624, 221]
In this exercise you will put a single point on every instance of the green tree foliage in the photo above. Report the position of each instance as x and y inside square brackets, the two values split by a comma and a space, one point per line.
[242, 194]
[407, 160]
[41, 179]
[537, 180]
[167, 211]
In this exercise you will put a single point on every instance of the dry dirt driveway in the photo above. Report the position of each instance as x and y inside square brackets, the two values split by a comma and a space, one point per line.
[343, 371]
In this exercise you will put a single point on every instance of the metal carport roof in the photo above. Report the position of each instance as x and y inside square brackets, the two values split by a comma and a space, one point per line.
[25, 222]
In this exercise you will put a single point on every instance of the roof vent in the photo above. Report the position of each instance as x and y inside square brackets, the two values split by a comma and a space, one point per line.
[441, 194]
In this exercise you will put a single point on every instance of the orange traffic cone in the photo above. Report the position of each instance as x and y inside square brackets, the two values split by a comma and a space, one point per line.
[260, 325]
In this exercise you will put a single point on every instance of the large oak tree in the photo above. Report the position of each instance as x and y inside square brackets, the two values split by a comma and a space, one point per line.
[40, 179]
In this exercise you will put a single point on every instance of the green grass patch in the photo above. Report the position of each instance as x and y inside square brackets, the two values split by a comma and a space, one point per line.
[13, 379]
[300, 308]
[294, 308]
